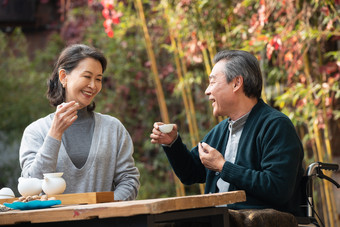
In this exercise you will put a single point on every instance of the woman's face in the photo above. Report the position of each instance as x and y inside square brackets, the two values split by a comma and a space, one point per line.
[83, 83]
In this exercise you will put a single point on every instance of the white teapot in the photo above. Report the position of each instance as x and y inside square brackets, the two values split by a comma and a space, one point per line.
[29, 186]
[53, 183]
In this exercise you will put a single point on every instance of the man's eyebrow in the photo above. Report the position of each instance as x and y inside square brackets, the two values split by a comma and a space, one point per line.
[212, 76]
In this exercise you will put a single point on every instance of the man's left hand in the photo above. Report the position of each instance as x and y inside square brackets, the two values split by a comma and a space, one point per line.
[210, 157]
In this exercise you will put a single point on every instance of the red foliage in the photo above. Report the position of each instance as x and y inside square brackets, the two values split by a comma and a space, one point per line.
[111, 16]
[274, 44]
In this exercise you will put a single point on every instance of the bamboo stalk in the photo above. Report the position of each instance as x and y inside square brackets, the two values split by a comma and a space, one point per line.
[264, 82]
[189, 93]
[185, 90]
[320, 150]
[159, 90]
[151, 55]
[208, 65]
[330, 159]
[315, 155]
[325, 184]
[326, 131]
[205, 55]
[324, 207]
[335, 218]
[330, 192]
[306, 68]
[189, 109]
[211, 46]
[182, 85]
[191, 104]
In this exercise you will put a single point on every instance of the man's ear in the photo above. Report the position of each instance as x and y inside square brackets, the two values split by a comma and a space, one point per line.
[237, 83]
[62, 77]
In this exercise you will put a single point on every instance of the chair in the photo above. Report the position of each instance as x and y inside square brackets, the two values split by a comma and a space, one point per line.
[313, 170]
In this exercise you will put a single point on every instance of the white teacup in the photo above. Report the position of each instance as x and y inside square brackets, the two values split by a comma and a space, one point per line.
[166, 128]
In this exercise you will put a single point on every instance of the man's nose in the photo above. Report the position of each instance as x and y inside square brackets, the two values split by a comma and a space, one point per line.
[207, 91]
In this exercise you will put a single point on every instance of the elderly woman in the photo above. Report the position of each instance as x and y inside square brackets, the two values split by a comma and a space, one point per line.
[93, 150]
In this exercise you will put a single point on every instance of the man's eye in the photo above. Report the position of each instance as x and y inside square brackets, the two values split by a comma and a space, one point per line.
[99, 80]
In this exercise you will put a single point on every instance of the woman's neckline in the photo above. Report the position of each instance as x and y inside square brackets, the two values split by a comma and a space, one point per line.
[83, 115]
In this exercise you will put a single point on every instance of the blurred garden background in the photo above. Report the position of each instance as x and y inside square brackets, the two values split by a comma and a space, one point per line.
[159, 57]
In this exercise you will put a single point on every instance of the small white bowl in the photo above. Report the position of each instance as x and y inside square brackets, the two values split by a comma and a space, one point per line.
[6, 193]
[6, 197]
[166, 128]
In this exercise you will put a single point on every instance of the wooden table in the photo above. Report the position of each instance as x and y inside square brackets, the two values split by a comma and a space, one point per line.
[148, 213]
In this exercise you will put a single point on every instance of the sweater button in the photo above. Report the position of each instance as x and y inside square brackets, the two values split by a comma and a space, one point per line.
[217, 173]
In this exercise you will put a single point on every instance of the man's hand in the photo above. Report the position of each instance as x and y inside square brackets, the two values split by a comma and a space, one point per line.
[210, 157]
[163, 138]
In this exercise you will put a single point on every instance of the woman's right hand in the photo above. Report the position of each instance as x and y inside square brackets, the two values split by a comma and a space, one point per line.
[162, 138]
[64, 116]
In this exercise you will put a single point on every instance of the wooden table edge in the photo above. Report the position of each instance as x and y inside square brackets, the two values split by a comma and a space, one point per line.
[120, 209]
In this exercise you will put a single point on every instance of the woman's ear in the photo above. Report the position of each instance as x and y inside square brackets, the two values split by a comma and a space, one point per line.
[62, 77]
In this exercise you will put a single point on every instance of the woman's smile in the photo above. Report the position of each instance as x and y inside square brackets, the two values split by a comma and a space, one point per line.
[84, 82]
[87, 94]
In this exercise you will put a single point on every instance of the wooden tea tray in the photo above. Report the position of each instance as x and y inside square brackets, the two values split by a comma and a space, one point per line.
[77, 198]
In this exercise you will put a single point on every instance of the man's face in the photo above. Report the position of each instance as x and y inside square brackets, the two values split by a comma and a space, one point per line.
[219, 91]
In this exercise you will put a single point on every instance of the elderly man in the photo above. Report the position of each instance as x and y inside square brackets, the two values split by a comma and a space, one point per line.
[256, 149]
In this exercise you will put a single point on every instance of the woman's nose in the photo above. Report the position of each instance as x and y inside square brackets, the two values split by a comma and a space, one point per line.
[92, 84]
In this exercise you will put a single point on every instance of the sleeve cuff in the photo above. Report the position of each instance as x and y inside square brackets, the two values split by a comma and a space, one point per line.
[169, 145]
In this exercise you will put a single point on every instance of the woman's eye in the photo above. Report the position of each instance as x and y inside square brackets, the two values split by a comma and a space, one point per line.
[99, 80]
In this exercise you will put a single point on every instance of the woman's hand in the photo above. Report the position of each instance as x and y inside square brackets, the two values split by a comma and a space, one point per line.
[162, 138]
[65, 115]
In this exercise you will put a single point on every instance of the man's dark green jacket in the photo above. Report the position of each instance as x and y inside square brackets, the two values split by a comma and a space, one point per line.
[268, 165]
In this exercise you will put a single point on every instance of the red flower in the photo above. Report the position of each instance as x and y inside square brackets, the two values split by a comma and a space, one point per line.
[110, 34]
[107, 23]
[110, 15]
[106, 13]
[115, 16]
[107, 4]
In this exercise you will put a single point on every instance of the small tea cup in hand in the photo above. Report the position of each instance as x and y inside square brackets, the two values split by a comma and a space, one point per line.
[166, 128]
